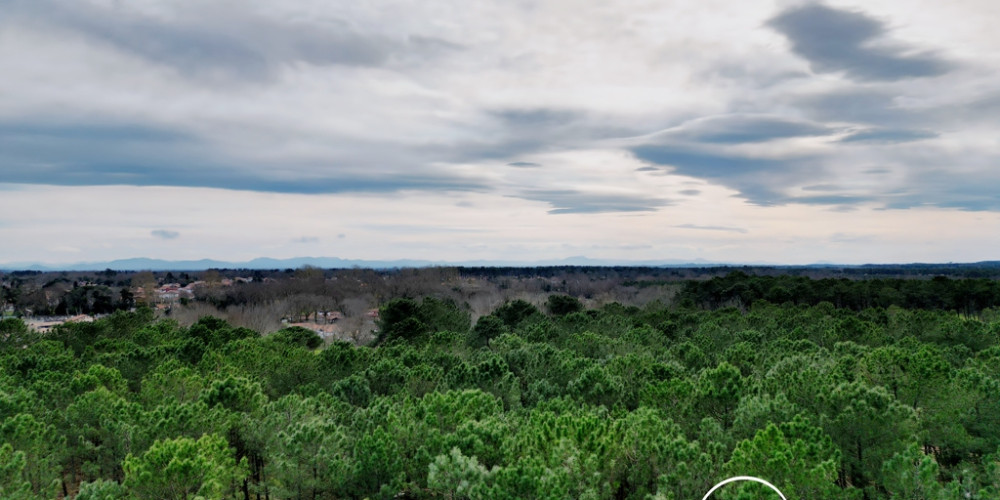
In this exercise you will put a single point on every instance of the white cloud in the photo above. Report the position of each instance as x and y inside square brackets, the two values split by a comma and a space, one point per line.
[397, 113]
[241, 226]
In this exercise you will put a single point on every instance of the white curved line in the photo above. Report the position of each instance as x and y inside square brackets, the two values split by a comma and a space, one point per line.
[743, 478]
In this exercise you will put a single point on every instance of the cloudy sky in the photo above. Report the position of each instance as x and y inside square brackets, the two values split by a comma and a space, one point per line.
[738, 131]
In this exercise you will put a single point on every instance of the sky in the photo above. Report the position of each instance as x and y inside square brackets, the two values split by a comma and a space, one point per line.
[746, 131]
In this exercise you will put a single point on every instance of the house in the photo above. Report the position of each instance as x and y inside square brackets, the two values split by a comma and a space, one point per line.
[45, 325]
[325, 331]
[328, 316]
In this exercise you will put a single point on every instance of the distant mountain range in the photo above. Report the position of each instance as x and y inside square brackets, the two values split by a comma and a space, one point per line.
[145, 264]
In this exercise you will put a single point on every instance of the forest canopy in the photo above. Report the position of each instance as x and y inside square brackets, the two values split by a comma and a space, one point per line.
[815, 385]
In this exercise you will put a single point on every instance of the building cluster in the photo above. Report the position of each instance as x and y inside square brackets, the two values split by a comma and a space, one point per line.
[46, 324]
[322, 322]
[169, 293]
[172, 292]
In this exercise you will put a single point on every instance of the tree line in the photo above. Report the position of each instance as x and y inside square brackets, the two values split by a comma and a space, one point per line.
[968, 296]
[547, 401]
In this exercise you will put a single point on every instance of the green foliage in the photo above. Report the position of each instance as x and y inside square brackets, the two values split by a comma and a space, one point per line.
[378, 462]
[719, 390]
[406, 319]
[38, 452]
[102, 428]
[561, 305]
[236, 394]
[444, 315]
[13, 485]
[296, 336]
[79, 336]
[214, 332]
[184, 468]
[869, 426]
[14, 334]
[824, 400]
[515, 312]
[396, 311]
[171, 381]
[912, 475]
[307, 459]
[487, 328]
[968, 295]
[99, 376]
[991, 475]
[102, 489]
[457, 476]
[798, 458]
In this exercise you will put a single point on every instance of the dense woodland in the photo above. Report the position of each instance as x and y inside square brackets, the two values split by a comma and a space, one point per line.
[259, 299]
[829, 388]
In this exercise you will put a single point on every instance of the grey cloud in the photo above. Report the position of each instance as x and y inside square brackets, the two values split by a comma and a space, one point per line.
[925, 187]
[822, 187]
[306, 239]
[965, 111]
[228, 177]
[713, 228]
[691, 192]
[132, 154]
[186, 48]
[835, 40]
[941, 187]
[877, 171]
[434, 44]
[736, 129]
[499, 149]
[749, 74]
[881, 111]
[165, 234]
[509, 134]
[711, 149]
[835, 199]
[947, 177]
[207, 43]
[353, 182]
[854, 105]
[568, 201]
[925, 175]
[532, 127]
[890, 136]
[986, 105]
[532, 118]
[845, 208]
[705, 165]
[251, 46]
[762, 181]
[96, 153]
[513, 133]
[757, 179]
[48, 131]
